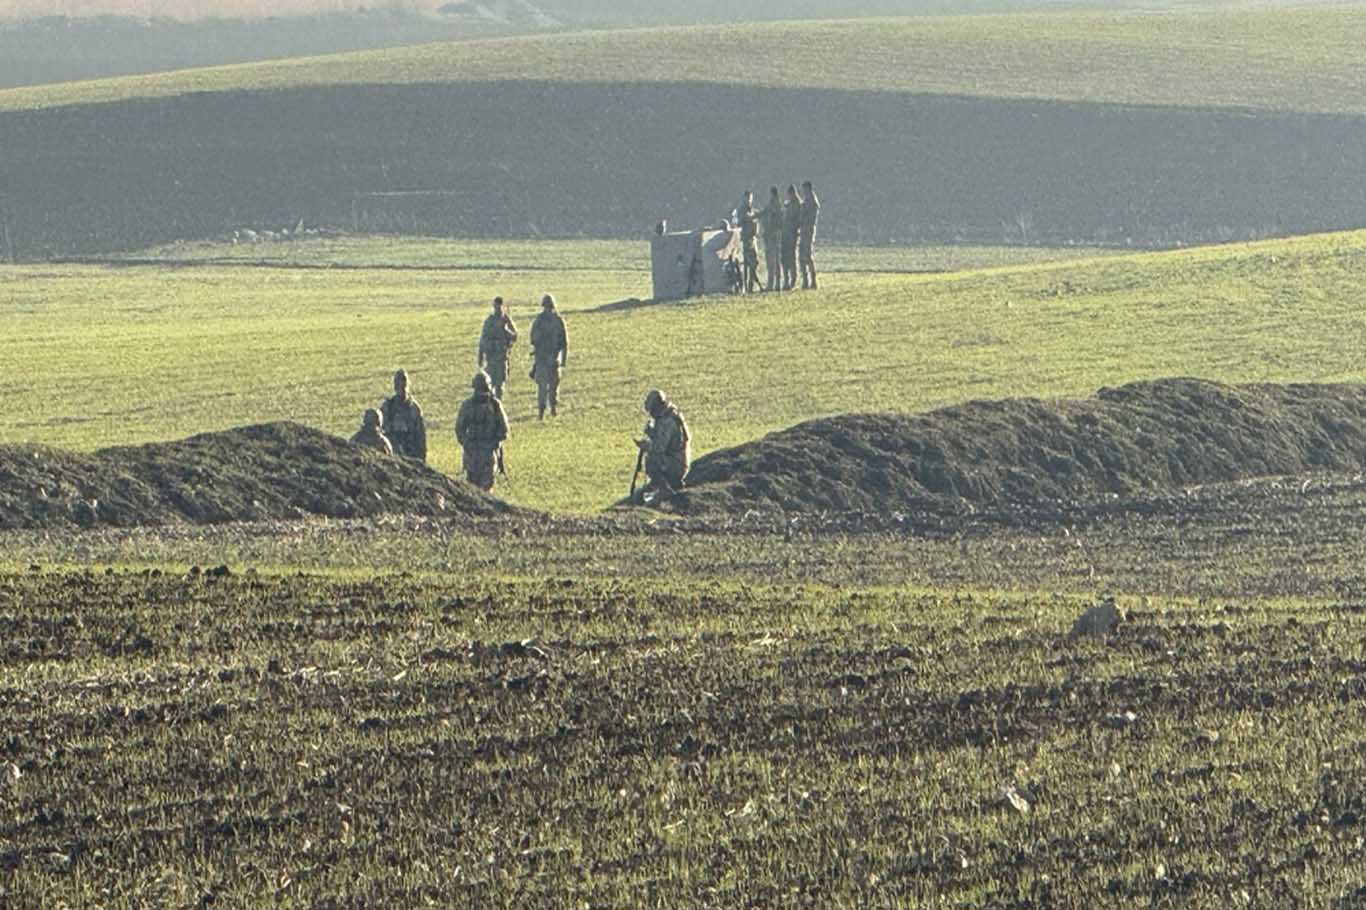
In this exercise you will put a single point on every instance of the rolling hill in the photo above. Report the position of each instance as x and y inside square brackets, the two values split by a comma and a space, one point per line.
[1135, 129]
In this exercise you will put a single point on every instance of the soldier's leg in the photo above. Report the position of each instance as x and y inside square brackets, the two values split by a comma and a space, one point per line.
[553, 389]
[469, 464]
[479, 465]
[498, 377]
[542, 392]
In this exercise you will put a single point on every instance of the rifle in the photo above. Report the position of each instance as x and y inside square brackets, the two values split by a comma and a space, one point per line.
[635, 478]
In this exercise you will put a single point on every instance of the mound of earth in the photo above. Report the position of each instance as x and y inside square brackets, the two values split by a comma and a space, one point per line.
[257, 473]
[1136, 440]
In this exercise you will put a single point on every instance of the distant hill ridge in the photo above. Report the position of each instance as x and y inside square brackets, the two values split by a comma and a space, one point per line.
[1305, 60]
[1091, 128]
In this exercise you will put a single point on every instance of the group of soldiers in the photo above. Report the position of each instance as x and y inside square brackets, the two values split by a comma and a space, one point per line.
[788, 228]
[397, 426]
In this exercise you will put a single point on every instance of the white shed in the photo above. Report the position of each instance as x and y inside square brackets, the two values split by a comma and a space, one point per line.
[689, 263]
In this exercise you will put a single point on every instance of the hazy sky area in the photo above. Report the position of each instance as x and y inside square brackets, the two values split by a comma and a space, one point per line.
[198, 9]
[606, 11]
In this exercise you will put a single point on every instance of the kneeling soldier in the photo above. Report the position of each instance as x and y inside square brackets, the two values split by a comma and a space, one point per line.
[371, 433]
[667, 448]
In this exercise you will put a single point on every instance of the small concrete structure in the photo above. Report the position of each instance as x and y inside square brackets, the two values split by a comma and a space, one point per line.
[689, 263]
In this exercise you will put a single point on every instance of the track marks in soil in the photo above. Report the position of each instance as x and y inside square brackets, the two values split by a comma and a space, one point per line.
[599, 738]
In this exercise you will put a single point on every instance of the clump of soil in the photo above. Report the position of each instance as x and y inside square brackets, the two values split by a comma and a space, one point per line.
[1142, 438]
[258, 473]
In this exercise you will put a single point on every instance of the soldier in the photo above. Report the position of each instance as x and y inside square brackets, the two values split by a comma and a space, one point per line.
[811, 211]
[667, 447]
[550, 353]
[748, 218]
[481, 428]
[402, 415]
[792, 222]
[772, 222]
[495, 341]
[371, 433]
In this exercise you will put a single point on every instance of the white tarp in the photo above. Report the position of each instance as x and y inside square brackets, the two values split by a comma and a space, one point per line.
[688, 263]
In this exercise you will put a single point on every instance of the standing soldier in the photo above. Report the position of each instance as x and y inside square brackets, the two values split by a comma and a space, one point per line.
[792, 222]
[371, 433]
[495, 341]
[549, 352]
[748, 218]
[667, 447]
[811, 211]
[481, 427]
[772, 223]
[403, 417]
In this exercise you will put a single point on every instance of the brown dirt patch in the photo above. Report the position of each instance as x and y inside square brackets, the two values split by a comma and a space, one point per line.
[1164, 435]
[257, 473]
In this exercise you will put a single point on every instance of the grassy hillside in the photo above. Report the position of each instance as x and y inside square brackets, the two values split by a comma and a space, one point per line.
[557, 256]
[1152, 130]
[1276, 60]
[141, 353]
[534, 159]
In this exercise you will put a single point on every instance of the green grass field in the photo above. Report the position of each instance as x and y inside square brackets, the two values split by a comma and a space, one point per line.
[362, 251]
[1276, 59]
[547, 713]
[118, 355]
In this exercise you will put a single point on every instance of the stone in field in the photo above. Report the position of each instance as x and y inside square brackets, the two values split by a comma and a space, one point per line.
[1097, 622]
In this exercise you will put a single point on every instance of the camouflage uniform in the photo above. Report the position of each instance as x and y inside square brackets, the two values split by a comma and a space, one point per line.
[792, 222]
[495, 341]
[810, 213]
[481, 428]
[405, 426]
[549, 351]
[772, 222]
[370, 435]
[749, 241]
[667, 443]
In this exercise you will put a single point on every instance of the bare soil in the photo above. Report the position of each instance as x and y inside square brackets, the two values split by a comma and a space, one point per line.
[256, 473]
[513, 159]
[1135, 441]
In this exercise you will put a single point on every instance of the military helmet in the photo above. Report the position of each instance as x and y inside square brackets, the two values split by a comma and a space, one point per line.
[548, 301]
[373, 418]
[481, 382]
[655, 400]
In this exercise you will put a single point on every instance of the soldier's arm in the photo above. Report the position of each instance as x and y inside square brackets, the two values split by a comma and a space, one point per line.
[462, 423]
[564, 343]
[511, 330]
[420, 434]
[502, 421]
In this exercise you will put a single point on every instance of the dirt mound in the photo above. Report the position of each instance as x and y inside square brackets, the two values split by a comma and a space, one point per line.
[1139, 439]
[257, 473]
